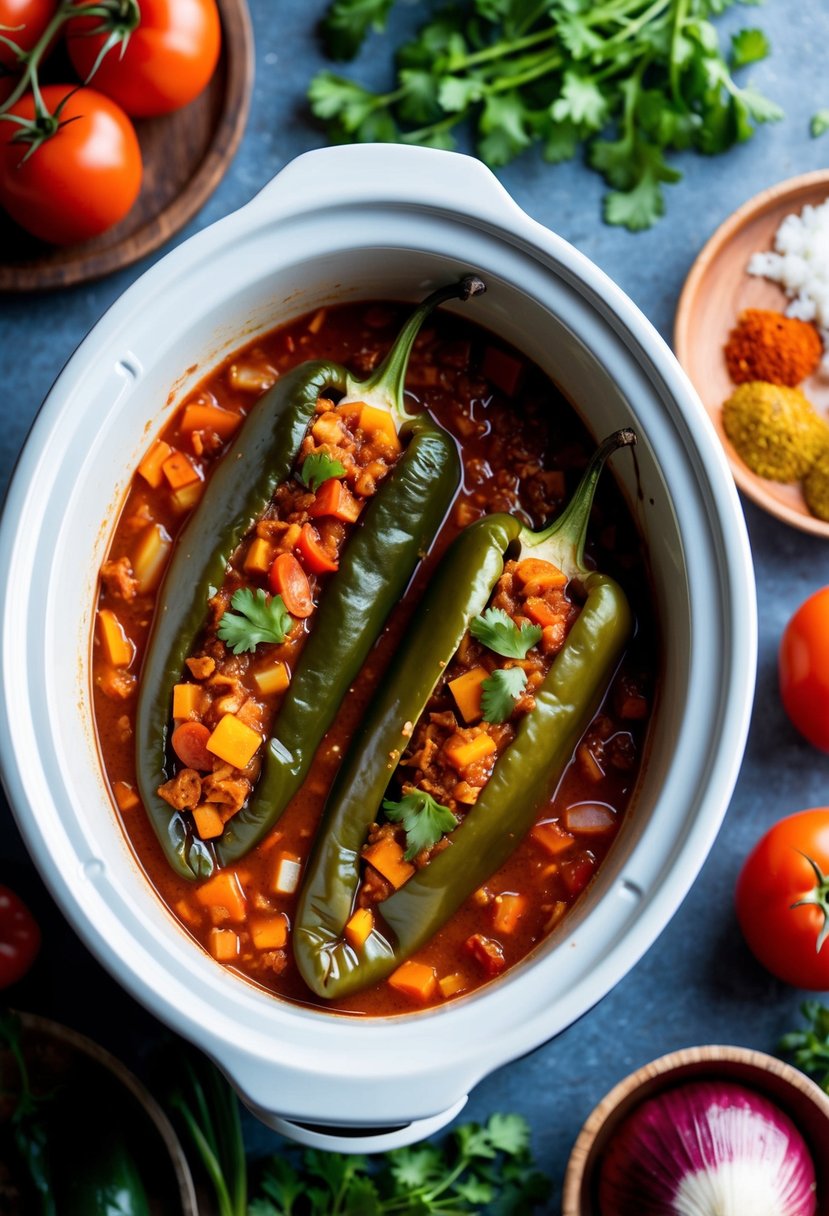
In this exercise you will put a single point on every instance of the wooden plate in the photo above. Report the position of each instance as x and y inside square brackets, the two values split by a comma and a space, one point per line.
[715, 293]
[185, 157]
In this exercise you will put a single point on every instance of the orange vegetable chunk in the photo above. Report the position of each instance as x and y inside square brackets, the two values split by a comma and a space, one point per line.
[209, 418]
[536, 575]
[224, 890]
[118, 648]
[223, 945]
[358, 928]
[269, 932]
[466, 690]
[387, 858]
[209, 821]
[234, 742]
[150, 556]
[462, 752]
[271, 681]
[552, 837]
[373, 420]
[334, 499]
[125, 796]
[415, 980]
[259, 557]
[150, 467]
[451, 985]
[180, 471]
[188, 702]
[508, 910]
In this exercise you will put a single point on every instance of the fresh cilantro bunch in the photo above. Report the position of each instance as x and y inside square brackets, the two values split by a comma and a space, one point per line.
[630, 81]
[809, 1048]
[256, 618]
[480, 1169]
[424, 820]
[499, 632]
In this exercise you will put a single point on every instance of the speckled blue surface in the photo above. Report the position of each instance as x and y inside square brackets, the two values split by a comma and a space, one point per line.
[698, 984]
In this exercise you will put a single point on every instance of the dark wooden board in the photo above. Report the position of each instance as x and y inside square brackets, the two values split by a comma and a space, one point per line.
[185, 156]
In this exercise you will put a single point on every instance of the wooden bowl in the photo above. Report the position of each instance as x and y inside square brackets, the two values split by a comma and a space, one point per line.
[58, 1058]
[717, 289]
[802, 1100]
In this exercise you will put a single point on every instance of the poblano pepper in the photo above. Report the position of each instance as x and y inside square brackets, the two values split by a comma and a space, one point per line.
[523, 777]
[392, 534]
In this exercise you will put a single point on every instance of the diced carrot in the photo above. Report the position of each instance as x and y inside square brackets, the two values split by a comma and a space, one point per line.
[150, 466]
[451, 985]
[415, 980]
[503, 370]
[125, 796]
[118, 648]
[552, 838]
[209, 822]
[187, 497]
[540, 612]
[288, 579]
[466, 690]
[508, 910]
[188, 702]
[358, 928]
[373, 420]
[288, 871]
[223, 891]
[250, 377]
[589, 763]
[223, 944]
[289, 538]
[209, 418]
[590, 818]
[234, 742]
[150, 556]
[335, 499]
[271, 681]
[259, 557]
[317, 321]
[313, 553]
[269, 932]
[462, 752]
[189, 742]
[180, 471]
[387, 858]
[535, 575]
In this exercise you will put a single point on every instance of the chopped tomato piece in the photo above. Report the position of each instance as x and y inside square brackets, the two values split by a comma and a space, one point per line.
[190, 745]
[335, 499]
[316, 557]
[288, 579]
[487, 953]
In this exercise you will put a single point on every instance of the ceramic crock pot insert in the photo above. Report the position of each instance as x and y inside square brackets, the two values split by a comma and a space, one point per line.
[348, 224]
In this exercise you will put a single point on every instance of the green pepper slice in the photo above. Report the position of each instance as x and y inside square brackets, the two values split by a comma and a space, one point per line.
[377, 563]
[522, 779]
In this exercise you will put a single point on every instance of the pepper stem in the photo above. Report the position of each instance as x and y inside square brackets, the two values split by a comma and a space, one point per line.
[384, 388]
[819, 898]
[562, 541]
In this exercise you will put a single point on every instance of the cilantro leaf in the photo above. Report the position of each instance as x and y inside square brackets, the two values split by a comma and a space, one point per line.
[318, 468]
[582, 101]
[424, 820]
[500, 692]
[348, 21]
[509, 1133]
[255, 619]
[819, 124]
[499, 633]
[748, 46]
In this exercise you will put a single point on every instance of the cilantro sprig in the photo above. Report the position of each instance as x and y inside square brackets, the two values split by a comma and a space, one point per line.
[809, 1048]
[256, 618]
[317, 468]
[425, 820]
[631, 81]
[500, 692]
[499, 632]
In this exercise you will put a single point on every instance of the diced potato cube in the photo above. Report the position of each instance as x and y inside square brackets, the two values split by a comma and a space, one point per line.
[387, 858]
[150, 557]
[179, 470]
[125, 796]
[415, 980]
[188, 702]
[466, 690]
[358, 928]
[150, 466]
[118, 648]
[223, 891]
[269, 932]
[223, 945]
[451, 985]
[234, 742]
[287, 874]
[463, 752]
[552, 838]
[209, 821]
[187, 497]
[508, 910]
[259, 557]
[251, 377]
[271, 681]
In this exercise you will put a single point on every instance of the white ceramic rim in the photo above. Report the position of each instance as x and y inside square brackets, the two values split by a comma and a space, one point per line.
[283, 1059]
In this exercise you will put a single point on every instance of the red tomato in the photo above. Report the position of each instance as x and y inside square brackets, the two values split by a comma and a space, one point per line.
[168, 60]
[81, 180]
[25, 21]
[19, 938]
[804, 669]
[288, 579]
[783, 899]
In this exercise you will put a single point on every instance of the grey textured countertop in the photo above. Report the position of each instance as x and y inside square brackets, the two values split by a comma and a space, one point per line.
[698, 984]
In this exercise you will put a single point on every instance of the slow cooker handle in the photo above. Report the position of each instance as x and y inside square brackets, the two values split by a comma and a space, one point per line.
[357, 1139]
[373, 174]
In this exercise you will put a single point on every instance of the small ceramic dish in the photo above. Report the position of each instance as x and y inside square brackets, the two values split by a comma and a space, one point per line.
[789, 1089]
[717, 289]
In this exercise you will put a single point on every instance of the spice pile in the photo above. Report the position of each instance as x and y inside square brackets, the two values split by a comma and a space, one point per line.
[773, 426]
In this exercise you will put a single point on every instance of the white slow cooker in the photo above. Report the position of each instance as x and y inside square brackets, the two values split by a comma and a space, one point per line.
[355, 223]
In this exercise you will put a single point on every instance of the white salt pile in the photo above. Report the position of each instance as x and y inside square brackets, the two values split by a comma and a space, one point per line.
[800, 264]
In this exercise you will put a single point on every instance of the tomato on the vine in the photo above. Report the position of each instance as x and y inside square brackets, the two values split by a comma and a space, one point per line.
[24, 21]
[162, 64]
[19, 938]
[80, 180]
[783, 899]
[804, 669]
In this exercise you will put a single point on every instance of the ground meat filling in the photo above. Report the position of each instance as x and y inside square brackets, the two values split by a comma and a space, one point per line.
[249, 687]
[453, 750]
